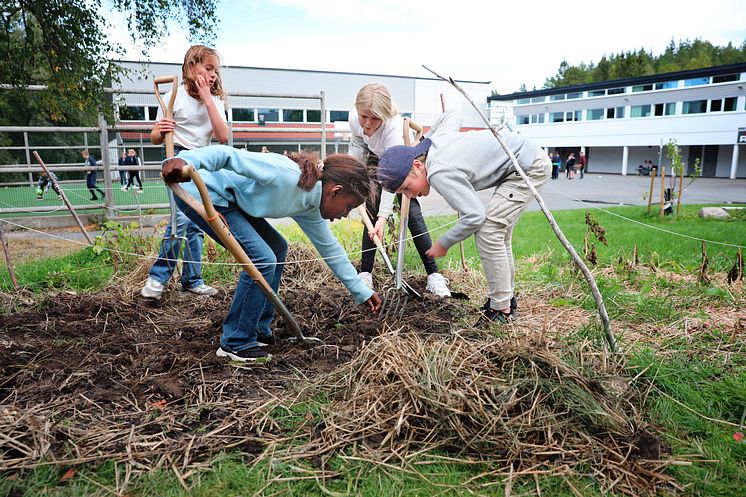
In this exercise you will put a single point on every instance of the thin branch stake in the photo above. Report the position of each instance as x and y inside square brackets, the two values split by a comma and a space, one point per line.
[555, 227]
[7, 259]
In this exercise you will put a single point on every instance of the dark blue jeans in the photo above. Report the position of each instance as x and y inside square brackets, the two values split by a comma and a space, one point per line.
[251, 312]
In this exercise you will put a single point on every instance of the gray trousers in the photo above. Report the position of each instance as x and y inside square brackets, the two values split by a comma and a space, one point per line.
[494, 238]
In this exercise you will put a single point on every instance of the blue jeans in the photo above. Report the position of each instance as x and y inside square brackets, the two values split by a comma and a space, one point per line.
[191, 272]
[122, 177]
[251, 312]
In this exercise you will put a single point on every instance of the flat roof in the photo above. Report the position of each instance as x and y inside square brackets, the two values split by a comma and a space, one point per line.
[655, 78]
[308, 71]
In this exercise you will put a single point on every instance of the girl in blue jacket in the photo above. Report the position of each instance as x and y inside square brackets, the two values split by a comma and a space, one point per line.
[248, 187]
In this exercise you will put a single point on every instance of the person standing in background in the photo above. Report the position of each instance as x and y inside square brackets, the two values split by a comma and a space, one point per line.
[583, 163]
[90, 175]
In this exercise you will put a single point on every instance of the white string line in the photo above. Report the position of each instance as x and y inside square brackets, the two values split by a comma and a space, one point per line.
[644, 224]
[155, 257]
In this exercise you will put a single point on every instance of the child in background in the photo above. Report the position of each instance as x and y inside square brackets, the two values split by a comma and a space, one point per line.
[247, 187]
[123, 171]
[43, 185]
[133, 161]
[90, 175]
[199, 115]
[376, 125]
[458, 165]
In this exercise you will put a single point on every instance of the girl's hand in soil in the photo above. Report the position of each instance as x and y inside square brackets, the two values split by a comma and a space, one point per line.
[172, 170]
[374, 302]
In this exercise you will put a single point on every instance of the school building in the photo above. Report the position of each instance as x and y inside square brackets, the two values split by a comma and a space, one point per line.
[285, 109]
[624, 122]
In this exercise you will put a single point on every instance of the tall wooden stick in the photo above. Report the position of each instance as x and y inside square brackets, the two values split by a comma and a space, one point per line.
[64, 199]
[653, 172]
[681, 190]
[663, 187]
[458, 214]
[610, 338]
[7, 259]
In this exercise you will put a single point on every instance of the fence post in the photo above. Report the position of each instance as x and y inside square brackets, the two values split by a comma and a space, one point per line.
[105, 160]
[323, 125]
[28, 158]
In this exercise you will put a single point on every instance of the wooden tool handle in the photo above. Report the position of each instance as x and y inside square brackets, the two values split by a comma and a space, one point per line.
[168, 110]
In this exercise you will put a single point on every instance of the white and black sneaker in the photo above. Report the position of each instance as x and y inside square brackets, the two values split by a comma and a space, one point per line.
[252, 354]
[265, 340]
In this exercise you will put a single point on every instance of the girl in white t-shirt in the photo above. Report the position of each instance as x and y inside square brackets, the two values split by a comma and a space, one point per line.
[199, 115]
[376, 125]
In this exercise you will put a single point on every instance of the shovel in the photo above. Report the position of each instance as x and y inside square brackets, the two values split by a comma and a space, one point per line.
[168, 111]
[207, 211]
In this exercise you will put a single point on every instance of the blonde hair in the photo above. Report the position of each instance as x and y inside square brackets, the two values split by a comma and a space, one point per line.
[193, 56]
[376, 97]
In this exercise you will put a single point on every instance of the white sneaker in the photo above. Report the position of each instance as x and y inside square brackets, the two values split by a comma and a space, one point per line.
[152, 289]
[438, 285]
[203, 290]
[123, 188]
[366, 278]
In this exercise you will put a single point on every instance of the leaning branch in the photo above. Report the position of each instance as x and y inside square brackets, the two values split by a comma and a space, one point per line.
[555, 227]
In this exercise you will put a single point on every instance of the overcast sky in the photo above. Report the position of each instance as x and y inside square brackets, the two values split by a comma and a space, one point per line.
[506, 43]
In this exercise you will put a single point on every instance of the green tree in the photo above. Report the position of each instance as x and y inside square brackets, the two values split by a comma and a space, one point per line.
[63, 44]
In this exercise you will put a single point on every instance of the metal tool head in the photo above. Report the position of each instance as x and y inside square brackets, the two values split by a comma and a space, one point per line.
[394, 302]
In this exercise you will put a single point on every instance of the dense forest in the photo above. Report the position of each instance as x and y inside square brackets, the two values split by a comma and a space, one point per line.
[684, 56]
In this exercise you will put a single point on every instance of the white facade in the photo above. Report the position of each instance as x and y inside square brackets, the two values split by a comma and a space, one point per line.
[622, 123]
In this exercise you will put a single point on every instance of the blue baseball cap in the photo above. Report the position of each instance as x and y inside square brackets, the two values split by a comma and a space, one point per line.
[396, 162]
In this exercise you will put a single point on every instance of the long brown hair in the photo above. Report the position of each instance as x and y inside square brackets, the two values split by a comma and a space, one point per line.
[193, 56]
[342, 169]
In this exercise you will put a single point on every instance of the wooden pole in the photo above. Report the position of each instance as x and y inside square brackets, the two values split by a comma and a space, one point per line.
[663, 186]
[610, 338]
[681, 190]
[653, 172]
[7, 259]
[64, 199]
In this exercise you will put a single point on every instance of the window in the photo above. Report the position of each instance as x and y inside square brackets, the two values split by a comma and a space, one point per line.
[697, 81]
[725, 78]
[127, 113]
[615, 113]
[554, 98]
[557, 117]
[338, 115]
[268, 115]
[536, 100]
[615, 91]
[313, 116]
[668, 109]
[594, 114]
[639, 88]
[666, 85]
[537, 118]
[574, 95]
[573, 115]
[522, 119]
[639, 111]
[597, 93]
[522, 101]
[243, 115]
[725, 105]
[695, 107]
[152, 113]
[292, 116]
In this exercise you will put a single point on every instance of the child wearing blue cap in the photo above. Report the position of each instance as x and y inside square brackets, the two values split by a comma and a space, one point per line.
[458, 165]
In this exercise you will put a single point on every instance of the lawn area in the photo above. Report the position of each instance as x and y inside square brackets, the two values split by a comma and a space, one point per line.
[681, 378]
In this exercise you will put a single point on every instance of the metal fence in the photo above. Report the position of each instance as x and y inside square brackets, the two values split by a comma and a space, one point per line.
[60, 148]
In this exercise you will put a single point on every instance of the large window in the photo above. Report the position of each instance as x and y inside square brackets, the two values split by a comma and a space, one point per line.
[268, 115]
[537, 118]
[243, 115]
[338, 115]
[523, 101]
[723, 104]
[615, 113]
[522, 119]
[668, 109]
[557, 117]
[292, 115]
[152, 113]
[725, 78]
[666, 85]
[639, 88]
[536, 100]
[313, 116]
[572, 115]
[554, 98]
[615, 91]
[129, 113]
[639, 111]
[695, 107]
[697, 81]
[594, 114]
[597, 93]
[578, 94]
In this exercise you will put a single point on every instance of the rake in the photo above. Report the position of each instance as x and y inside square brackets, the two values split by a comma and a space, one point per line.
[396, 298]
[207, 211]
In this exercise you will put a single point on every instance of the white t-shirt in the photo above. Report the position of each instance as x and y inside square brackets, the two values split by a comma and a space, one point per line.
[193, 127]
[390, 133]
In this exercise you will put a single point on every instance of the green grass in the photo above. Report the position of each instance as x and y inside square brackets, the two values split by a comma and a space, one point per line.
[695, 382]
